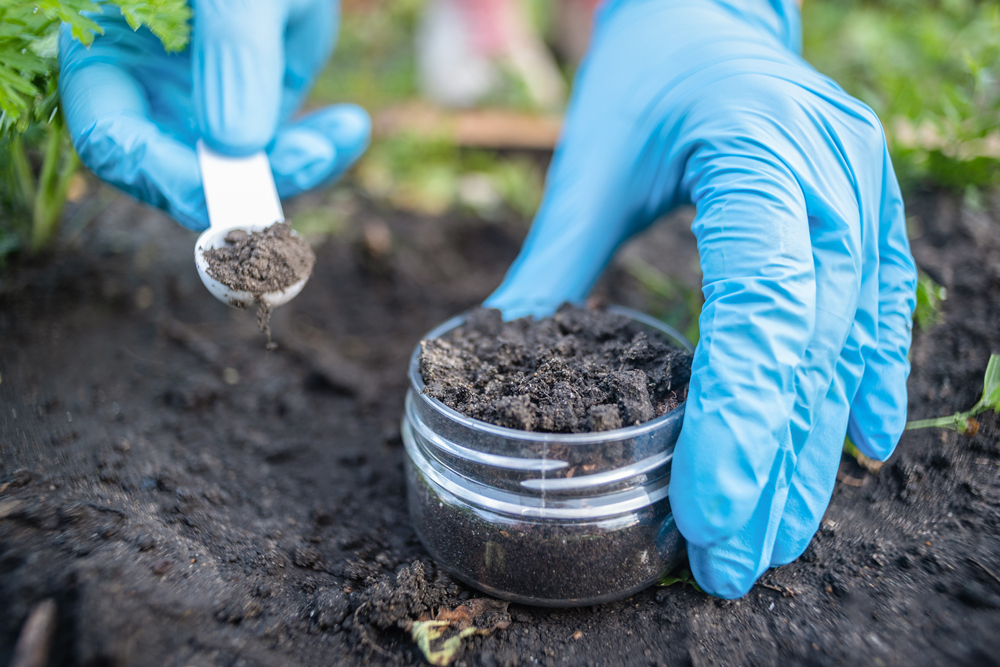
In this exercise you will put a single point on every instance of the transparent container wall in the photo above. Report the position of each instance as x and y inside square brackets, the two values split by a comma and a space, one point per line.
[544, 562]
[520, 461]
[544, 518]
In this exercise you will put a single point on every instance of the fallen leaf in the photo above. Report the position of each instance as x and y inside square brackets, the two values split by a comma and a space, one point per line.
[440, 637]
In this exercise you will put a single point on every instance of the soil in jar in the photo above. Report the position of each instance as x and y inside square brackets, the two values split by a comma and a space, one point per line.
[260, 262]
[582, 370]
[545, 562]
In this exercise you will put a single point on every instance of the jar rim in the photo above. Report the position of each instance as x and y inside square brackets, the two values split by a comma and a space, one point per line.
[592, 437]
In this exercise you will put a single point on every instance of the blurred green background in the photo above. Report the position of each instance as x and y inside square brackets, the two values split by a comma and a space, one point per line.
[929, 68]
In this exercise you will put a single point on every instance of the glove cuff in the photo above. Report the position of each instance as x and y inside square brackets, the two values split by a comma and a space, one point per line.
[782, 19]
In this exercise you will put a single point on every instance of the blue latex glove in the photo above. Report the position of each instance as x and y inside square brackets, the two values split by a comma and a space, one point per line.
[135, 112]
[808, 279]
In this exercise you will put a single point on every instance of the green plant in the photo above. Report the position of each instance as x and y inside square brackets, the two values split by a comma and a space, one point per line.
[373, 65]
[682, 576]
[431, 175]
[927, 312]
[869, 464]
[36, 158]
[965, 422]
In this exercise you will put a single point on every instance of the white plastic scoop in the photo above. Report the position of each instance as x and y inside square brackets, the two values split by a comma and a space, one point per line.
[240, 194]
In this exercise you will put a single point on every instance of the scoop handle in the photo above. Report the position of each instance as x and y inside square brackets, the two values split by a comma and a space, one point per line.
[239, 191]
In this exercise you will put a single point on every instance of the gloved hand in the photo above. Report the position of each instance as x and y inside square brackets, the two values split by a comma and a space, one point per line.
[135, 112]
[808, 279]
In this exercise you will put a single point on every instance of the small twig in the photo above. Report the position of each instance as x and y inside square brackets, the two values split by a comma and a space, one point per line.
[849, 481]
[103, 508]
[32, 649]
[785, 591]
[985, 569]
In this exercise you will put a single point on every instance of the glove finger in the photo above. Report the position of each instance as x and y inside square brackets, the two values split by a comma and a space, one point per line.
[836, 218]
[108, 120]
[828, 377]
[815, 471]
[309, 39]
[878, 412]
[728, 569]
[571, 240]
[599, 189]
[759, 286]
[819, 457]
[238, 68]
[318, 147]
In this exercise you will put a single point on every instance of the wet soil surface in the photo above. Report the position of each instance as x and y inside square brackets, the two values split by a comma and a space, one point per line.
[582, 370]
[188, 499]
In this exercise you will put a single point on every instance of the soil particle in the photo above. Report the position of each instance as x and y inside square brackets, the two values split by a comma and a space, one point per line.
[579, 371]
[266, 261]
[394, 601]
[259, 262]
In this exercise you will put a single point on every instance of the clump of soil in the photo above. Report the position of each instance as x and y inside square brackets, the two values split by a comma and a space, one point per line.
[259, 262]
[579, 371]
[395, 601]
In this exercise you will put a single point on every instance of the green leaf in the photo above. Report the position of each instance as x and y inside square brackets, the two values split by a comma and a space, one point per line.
[681, 576]
[927, 311]
[963, 422]
[71, 12]
[991, 384]
[169, 20]
[29, 32]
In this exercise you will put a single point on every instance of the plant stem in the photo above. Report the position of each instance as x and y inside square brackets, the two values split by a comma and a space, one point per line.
[58, 166]
[954, 422]
[22, 171]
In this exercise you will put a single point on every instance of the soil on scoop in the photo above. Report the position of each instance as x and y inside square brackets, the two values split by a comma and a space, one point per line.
[188, 500]
[259, 262]
[582, 370]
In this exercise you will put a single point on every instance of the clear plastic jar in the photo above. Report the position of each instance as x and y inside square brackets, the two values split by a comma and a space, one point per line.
[551, 519]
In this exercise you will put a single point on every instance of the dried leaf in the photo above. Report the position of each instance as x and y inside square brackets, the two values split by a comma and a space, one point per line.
[440, 637]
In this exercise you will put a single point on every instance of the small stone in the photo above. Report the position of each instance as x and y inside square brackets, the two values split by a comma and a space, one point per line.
[161, 567]
[9, 508]
[308, 558]
[145, 542]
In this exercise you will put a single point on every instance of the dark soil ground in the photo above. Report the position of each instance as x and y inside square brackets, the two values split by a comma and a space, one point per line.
[187, 498]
